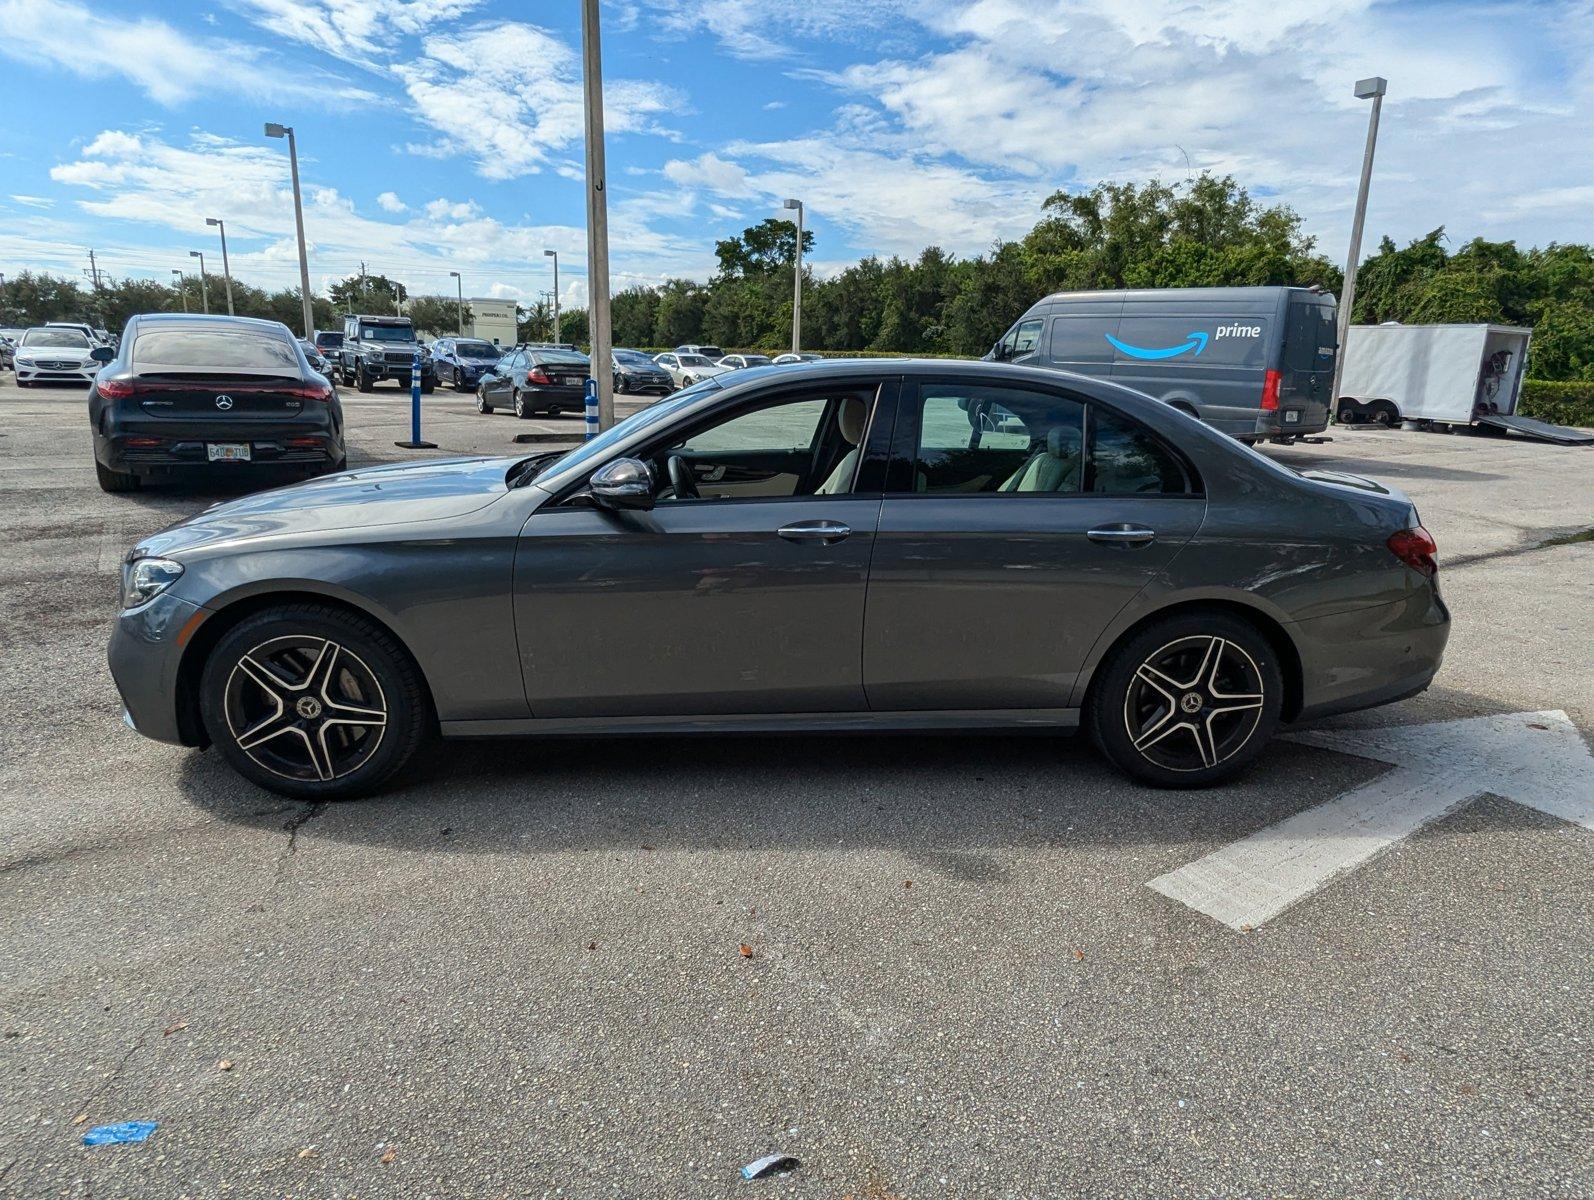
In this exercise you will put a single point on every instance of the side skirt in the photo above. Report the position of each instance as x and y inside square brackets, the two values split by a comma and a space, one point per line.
[1035, 720]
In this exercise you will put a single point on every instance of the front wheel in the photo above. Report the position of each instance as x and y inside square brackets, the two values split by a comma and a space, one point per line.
[313, 702]
[363, 381]
[483, 405]
[1187, 702]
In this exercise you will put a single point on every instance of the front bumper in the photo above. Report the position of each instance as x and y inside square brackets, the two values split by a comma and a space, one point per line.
[399, 371]
[56, 372]
[145, 655]
[1367, 657]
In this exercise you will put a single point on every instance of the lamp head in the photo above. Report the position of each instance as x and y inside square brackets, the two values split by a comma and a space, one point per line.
[212, 221]
[195, 254]
[1366, 89]
[792, 204]
[550, 254]
[275, 130]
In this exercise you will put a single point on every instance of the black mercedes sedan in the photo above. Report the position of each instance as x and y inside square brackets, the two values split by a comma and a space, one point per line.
[192, 396]
[636, 374]
[528, 381]
[840, 547]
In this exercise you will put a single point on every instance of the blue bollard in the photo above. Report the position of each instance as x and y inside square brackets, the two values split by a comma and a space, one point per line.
[415, 442]
[592, 408]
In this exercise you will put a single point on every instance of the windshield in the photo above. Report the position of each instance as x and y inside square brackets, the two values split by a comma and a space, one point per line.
[475, 350]
[329, 339]
[588, 452]
[388, 333]
[59, 338]
[635, 357]
[695, 360]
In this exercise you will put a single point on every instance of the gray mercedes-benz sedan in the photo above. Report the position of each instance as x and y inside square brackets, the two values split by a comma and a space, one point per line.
[864, 545]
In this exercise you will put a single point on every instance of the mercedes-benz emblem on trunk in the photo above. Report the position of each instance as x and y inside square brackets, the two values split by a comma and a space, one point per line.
[224, 402]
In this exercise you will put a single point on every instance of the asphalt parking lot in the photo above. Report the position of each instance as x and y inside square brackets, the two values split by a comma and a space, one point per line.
[521, 973]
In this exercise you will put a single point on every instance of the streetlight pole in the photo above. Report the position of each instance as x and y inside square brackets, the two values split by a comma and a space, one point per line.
[460, 313]
[1366, 89]
[226, 268]
[277, 131]
[601, 351]
[554, 254]
[797, 284]
[182, 287]
[204, 291]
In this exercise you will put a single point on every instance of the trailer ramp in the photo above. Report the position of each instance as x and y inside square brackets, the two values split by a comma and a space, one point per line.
[1541, 431]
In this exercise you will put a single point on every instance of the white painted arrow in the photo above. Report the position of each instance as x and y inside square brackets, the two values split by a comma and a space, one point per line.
[1535, 758]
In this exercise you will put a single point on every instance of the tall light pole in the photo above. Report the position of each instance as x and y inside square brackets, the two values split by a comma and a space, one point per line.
[182, 287]
[554, 254]
[204, 292]
[460, 313]
[277, 131]
[1366, 89]
[601, 350]
[226, 268]
[797, 285]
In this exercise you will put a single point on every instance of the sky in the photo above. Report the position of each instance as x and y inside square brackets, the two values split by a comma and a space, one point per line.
[439, 135]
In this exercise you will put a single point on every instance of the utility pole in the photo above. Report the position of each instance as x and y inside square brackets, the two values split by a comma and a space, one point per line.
[797, 285]
[459, 283]
[277, 131]
[182, 287]
[226, 268]
[554, 254]
[601, 351]
[94, 271]
[204, 290]
[1366, 89]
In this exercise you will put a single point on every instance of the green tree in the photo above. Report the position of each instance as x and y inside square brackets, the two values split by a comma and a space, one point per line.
[370, 295]
[438, 316]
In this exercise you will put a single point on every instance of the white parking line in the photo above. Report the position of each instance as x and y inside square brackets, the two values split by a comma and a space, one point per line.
[1538, 759]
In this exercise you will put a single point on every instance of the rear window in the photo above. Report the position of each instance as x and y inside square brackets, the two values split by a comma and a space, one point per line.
[560, 357]
[215, 349]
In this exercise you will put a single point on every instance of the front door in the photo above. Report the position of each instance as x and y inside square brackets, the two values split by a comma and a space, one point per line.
[1019, 523]
[741, 591]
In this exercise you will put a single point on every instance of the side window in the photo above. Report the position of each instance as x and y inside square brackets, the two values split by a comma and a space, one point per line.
[784, 427]
[1026, 336]
[1126, 459]
[975, 439]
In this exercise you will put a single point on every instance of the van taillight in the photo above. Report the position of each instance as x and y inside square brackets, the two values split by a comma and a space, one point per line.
[1416, 548]
[114, 389]
[1270, 391]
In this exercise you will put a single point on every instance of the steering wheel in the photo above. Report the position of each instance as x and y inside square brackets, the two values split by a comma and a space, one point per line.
[682, 481]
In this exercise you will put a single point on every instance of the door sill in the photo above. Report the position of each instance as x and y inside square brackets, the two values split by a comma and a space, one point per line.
[985, 720]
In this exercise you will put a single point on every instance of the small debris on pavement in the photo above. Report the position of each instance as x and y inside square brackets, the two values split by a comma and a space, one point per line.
[80, 1118]
[388, 1156]
[122, 1131]
[770, 1164]
[1079, 956]
[745, 950]
[176, 1027]
[307, 1152]
[224, 1065]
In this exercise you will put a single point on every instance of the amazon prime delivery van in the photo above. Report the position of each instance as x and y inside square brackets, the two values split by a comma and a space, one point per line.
[1255, 362]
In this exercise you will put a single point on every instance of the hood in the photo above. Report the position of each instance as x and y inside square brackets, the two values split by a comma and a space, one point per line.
[400, 493]
[77, 354]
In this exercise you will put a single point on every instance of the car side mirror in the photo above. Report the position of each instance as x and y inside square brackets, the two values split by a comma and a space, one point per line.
[102, 354]
[625, 483]
[999, 352]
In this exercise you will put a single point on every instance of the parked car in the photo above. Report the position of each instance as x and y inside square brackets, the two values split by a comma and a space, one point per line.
[55, 354]
[1257, 363]
[1108, 562]
[782, 360]
[737, 362]
[710, 352]
[329, 342]
[187, 396]
[636, 374]
[9, 338]
[461, 362]
[87, 331]
[530, 381]
[377, 348]
[686, 369]
[316, 359]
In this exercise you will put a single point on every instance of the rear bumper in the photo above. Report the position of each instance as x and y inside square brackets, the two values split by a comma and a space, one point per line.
[1368, 657]
[309, 441]
[565, 397]
[1292, 419]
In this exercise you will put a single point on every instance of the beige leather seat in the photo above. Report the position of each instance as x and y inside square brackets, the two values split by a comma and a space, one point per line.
[1053, 468]
[850, 421]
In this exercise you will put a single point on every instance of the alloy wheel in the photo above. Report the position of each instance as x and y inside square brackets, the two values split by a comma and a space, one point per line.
[1194, 703]
[305, 708]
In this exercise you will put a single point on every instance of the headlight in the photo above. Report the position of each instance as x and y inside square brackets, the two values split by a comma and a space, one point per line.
[146, 578]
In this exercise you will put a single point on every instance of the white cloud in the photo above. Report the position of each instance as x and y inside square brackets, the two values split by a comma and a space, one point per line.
[390, 202]
[508, 95]
[710, 171]
[166, 64]
[357, 30]
[769, 29]
[34, 201]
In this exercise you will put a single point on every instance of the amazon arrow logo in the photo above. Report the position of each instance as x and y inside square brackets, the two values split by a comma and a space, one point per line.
[1197, 342]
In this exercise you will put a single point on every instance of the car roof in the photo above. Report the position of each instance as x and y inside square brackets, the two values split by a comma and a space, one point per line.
[257, 324]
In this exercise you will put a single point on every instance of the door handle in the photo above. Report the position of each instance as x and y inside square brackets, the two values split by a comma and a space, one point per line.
[827, 532]
[1122, 534]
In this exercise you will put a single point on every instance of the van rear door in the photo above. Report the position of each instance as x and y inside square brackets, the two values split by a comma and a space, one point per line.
[1307, 368]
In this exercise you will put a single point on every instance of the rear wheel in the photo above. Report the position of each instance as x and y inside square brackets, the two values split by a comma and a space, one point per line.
[1350, 413]
[1382, 412]
[1189, 701]
[519, 401]
[114, 481]
[313, 702]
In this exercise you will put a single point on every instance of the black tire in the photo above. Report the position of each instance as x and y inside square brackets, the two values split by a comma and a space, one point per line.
[305, 754]
[1152, 730]
[1383, 413]
[519, 403]
[459, 384]
[363, 381]
[1349, 413]
[115, 481]
[483, 405]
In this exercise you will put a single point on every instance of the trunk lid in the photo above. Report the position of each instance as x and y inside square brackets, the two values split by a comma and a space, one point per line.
[223, 395]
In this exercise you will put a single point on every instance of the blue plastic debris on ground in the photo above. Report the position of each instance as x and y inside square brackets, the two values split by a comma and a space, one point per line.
[122, 1131]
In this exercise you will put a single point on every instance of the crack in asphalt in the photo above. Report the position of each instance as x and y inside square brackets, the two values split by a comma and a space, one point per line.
[1561, 539]
[299, 820]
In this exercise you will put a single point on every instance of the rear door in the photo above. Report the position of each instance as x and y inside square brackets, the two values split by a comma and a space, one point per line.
[1307, 367]
[1018, 522]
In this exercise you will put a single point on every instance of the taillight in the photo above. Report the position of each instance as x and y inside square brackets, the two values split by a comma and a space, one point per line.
[323, 393]
[114, 389]
[1270, 391]
[1416, 548]
[537, 375]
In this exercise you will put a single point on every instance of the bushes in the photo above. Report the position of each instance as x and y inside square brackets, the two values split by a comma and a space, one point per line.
[1557, 403]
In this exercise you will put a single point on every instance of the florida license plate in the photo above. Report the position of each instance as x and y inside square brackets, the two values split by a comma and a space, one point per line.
[228, 451]
[1292, 417]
